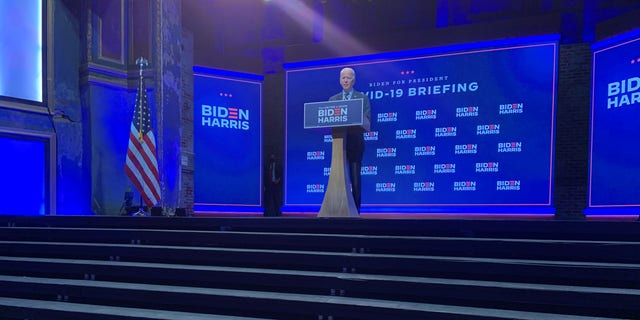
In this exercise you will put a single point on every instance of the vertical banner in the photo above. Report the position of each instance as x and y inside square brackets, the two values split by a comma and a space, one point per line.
[227, 141]
[614, 178]
[464, 129]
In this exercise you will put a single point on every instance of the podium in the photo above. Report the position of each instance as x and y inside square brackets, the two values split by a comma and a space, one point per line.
[342, 116]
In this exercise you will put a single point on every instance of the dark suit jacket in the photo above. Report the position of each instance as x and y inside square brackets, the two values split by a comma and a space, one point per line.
[267, 171]
[355, 139]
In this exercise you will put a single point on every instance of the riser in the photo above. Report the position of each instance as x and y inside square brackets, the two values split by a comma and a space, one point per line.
[241, 303]
[607, 275]
[517, 229]
[274, 306]
[22, 313]
[21, 309]
[621, 252]
[436, 291]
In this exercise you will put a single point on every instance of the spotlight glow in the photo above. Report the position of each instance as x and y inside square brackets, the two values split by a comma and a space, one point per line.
[339, 41]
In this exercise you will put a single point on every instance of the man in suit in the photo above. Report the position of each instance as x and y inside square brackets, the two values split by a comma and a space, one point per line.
[273, 186]
[355, 138]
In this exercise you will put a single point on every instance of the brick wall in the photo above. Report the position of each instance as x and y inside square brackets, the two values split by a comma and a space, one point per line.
[273, 115]
[572, 130]
[186, 142]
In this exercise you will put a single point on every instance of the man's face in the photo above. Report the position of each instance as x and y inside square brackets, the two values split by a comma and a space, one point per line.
[347, 79]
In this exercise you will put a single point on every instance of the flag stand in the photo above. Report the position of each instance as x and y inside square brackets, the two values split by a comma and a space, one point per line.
[140, 212]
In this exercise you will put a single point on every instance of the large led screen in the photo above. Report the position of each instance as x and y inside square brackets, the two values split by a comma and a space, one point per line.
[24, 166]
[21, 49]
[615, 119]
[466, 128]
[227, 141]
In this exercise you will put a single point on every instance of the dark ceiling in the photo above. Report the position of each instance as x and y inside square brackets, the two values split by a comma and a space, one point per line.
[257, 35]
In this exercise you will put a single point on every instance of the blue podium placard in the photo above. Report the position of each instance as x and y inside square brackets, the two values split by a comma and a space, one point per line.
[330, 114]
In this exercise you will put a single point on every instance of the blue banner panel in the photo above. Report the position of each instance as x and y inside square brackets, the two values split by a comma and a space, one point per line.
[615, 112]
[227, 141]
[467, 128]
[24, 170]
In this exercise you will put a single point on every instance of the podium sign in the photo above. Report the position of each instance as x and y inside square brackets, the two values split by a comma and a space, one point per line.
[331, 114]
[340, 116]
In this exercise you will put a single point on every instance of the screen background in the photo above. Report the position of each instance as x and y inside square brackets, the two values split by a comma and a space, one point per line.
[614, 175]
[521, 73]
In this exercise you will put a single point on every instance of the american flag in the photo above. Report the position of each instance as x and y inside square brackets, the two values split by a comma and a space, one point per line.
[141, 164]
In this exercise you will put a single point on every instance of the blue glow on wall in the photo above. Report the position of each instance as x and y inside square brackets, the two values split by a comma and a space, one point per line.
[23, 165]
[21, 49]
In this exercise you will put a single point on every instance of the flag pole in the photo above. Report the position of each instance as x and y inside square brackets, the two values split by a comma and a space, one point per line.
[141, 62]
[141, 164]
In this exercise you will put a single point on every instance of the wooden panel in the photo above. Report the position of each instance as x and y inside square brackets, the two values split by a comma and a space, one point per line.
[110, 29]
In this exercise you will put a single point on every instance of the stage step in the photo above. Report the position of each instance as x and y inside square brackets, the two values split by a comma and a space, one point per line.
[323, 268]
[524, 296]
[228, 301]
[540, 249]
[507, 229]
[623, 275]
[23, 309]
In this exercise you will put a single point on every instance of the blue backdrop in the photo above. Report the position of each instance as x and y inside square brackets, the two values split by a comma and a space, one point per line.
[227, 141]
[462, 128]
[615, 113]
